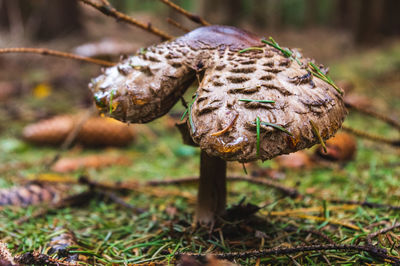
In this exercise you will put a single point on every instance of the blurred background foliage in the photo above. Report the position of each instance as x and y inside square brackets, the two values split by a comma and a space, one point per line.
[367, 20]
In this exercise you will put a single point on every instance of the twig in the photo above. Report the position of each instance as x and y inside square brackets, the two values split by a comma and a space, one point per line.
[376, 138]
[114, 198]
[71, 137]
[374, 251]
[382, 231]
[177, 25]
[362, 203]
[109, 10]
[44, 51]
[74, 200]
[390, 121]
[189, 15]
[291, 192]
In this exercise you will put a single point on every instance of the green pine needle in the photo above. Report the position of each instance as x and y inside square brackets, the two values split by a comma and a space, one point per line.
[251, 49]
[184, 114]
[286, 52]
[189, 107]
[258, 135]
[277, 127]
[190, 113]
[318, 73]
[111, 101]
[258, 101]
[316, 132]
[244, 169]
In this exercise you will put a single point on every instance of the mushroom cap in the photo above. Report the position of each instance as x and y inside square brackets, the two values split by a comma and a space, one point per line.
[224, 114]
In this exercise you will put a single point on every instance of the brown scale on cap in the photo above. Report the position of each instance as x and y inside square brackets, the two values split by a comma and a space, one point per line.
[146, 85]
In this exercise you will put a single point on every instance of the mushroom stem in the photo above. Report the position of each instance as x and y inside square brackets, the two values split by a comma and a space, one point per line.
[211, 198]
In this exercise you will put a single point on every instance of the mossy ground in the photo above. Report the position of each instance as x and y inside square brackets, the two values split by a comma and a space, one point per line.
[107, 233]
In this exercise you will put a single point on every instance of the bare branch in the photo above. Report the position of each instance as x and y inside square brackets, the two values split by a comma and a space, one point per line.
[366, 135]
[177, 25]
[382, 231]
[390, 121]
[279, 251]
[189, 15]
[108, 10]
[44, 51]
[291, 192]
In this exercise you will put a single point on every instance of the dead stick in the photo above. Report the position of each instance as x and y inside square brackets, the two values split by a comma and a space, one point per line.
[377, 252]
[109, 10]
[177, 25]
[292, 192]
[373, 137]
[71, 137]
[379, 116]
[362, 203]
[44, 51]
[382, 231]
[189, 15]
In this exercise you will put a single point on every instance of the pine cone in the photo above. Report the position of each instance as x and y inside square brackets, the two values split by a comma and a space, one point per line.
[95, 132]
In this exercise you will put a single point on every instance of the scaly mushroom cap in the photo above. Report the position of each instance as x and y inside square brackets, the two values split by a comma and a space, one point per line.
[223, 117]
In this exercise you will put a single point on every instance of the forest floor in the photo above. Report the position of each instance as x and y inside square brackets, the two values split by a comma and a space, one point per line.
[156, 223]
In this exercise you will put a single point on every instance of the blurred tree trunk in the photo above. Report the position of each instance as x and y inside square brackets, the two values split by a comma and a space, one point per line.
[227, 12]
[40, 19]
[344, 15]
[260, 13]
[368, 25]
[58, 18]
[390, 24]
[311, 13]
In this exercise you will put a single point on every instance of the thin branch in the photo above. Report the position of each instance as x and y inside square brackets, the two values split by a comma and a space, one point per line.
[71, 137]
[109, 10]
[376, 138]
[382, 231]
[292, 192]
[189, 15]
[374, 251]
[390, 121]
[44, 51]
[177, 25]
[363, 204]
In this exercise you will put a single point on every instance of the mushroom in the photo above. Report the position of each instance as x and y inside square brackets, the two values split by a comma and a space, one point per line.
[255, 100]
